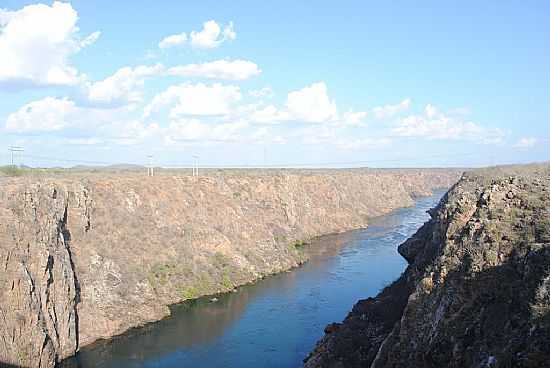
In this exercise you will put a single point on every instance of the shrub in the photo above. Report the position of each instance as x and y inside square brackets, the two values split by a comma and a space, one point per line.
[226, 282]
[12, 170]
[160, 272]
[189, 292]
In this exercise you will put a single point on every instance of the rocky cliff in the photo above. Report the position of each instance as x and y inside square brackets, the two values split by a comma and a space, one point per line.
[476, 292]
[89, 256]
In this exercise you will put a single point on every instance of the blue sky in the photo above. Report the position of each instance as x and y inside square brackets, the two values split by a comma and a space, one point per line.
[287, 83]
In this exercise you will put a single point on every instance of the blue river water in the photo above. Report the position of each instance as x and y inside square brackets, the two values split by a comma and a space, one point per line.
[276, 321]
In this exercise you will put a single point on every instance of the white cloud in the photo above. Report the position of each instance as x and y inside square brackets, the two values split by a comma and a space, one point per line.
[262, 92]
[196, 99]
[124, 86]
[229, 32]
[431, 111]
[311, 104]
[219, 69]
[173, 40]
[91, 39]
[352, 118]
[75, 124]
[211, 35]
[201, 112]
[526, 142]
[436, 125]
[195, 130]
[35, 44]
[388, 111]
[268, 115]
[46, 115]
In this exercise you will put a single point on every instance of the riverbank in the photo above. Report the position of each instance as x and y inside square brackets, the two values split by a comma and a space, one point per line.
[108, 252]
[244, 327]
[476, 291]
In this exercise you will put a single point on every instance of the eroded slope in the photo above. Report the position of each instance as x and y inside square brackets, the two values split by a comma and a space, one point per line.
[88, 257]
[476, 292]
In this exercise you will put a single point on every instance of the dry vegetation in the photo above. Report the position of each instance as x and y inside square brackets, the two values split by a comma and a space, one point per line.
[477, 291]
[138, 244]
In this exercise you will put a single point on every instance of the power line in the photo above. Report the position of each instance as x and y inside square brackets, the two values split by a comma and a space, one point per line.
[194, 164]
[150, 169]
[13, 150]
[321, 164]
[55, 159]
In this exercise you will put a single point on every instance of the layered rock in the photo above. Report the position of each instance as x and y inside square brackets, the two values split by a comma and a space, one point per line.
[476, 292]
[89, 256]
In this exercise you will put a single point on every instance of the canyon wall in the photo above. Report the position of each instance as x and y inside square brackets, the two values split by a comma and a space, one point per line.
[89, 256]
[476, 292]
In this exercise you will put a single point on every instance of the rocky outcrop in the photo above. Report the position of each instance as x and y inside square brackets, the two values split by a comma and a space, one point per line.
[476, 292]
[89, 256]
[39, 288]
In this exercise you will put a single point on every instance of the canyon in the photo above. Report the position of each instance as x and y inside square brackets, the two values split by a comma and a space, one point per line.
[88, 256]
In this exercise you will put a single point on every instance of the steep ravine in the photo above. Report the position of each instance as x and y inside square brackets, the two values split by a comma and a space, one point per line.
[90, 256]
[476, 292]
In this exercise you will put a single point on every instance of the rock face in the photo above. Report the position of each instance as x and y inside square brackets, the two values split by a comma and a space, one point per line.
[38, 283]
[476, 292]
[90, 256]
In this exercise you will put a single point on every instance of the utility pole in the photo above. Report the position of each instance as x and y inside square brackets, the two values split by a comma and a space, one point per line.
[150, 168]
[195, 165]
[14, 149]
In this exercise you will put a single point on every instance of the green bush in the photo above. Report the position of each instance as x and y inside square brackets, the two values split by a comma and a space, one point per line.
[299, 244]
[226, 281]
[189, 293]
[298, 248]
[161, 272]
[12, 170]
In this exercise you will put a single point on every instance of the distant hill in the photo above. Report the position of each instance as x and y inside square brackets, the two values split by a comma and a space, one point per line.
[115, 167]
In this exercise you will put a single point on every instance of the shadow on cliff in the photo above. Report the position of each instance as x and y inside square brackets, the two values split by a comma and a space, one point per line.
[6, 365]
[68, 239]
[502, 312]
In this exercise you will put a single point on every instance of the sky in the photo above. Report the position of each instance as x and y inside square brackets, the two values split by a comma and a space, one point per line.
[286, 83]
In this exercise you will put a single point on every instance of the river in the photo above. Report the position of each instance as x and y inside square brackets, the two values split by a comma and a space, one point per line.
[276, 321]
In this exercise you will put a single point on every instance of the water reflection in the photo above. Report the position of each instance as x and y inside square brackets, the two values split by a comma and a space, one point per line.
[275, 322]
